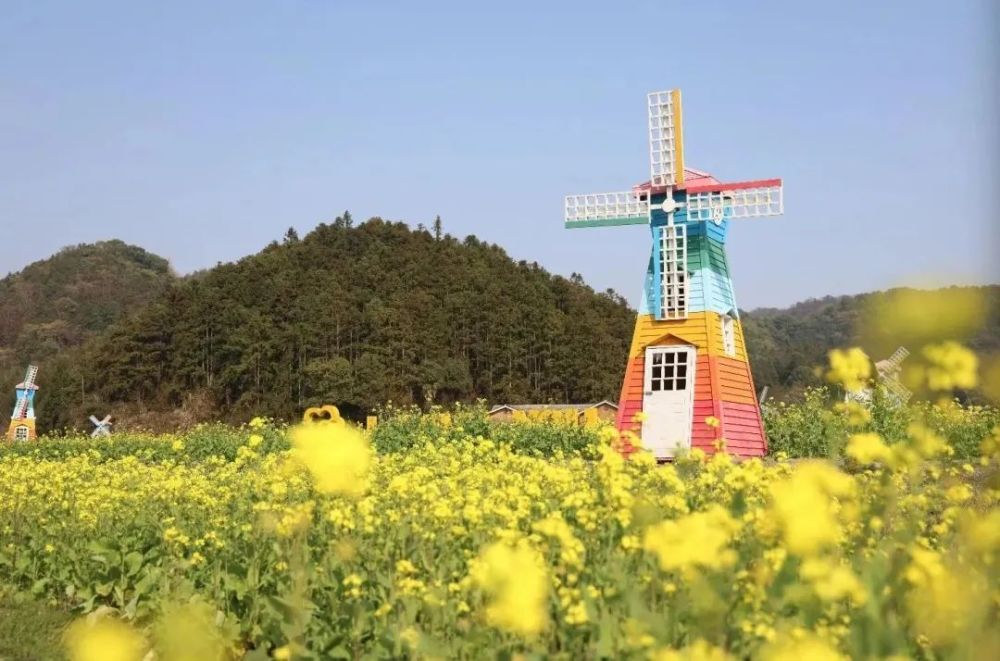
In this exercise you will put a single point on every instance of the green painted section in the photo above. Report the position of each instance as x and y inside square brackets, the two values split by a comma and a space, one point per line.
[707, 252]
[607, 222]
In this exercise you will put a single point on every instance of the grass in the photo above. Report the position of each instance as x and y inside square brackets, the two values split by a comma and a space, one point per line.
[30, 630]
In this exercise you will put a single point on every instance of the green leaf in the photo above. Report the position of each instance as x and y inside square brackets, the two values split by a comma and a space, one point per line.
[133, 562]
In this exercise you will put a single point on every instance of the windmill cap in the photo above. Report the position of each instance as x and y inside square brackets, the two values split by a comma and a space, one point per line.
[692, 177]
[21, 386]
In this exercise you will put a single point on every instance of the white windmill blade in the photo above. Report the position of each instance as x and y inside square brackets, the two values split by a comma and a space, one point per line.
[603, 209]
[901, 392]
[666, 139]
[747, 199]
[897, 357]
[30, 375]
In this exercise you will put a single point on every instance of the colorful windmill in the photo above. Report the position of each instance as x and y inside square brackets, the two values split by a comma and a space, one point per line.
[688, 362]
[22, 420]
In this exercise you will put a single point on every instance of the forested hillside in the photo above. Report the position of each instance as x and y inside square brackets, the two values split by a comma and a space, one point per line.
[363, 315]
[58, 303]
[786, 345]
[356, 316]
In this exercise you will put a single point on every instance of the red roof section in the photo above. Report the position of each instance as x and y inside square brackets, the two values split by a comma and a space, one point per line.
[697, 181]
[692, 177]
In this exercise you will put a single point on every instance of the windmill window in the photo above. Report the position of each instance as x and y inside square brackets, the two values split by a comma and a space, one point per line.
[672, 258]
[668, 370]
[20, 433]
[729, 335]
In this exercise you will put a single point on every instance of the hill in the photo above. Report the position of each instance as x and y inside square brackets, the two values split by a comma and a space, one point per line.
[58, 303]
[357, 316]
[786, 345]
[362, 315]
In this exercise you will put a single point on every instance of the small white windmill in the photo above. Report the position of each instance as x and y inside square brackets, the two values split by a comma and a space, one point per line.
[888, 372]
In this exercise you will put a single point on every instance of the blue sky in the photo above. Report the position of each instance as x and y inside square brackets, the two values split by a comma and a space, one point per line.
[202, 130]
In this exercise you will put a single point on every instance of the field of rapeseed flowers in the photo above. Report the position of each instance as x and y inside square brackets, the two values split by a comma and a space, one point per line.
[439, 537]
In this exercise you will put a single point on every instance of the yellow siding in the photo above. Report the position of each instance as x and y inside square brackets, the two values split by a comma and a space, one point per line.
[701, 329]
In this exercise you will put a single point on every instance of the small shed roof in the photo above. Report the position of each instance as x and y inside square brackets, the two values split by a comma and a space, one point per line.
[549, 407]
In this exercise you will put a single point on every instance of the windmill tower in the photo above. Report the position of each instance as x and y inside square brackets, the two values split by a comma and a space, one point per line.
[22, 420]
[687, 361]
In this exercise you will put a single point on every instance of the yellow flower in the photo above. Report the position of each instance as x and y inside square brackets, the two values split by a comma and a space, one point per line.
[517, 583]
[188, 633]
[831, 581]
[945, 600]
[982, 531]
[868, 448]
[104, 639]
[712, 421]
[950, 366]
[696, 540]
[803, 504]
[802, 648]
[337, 456]
[855, 412]
[699, 650]
[850, 368]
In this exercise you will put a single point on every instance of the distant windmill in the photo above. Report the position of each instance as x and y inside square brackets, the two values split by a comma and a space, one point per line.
[22, 420]
[688, 361]
[101, 427]
[889, 371]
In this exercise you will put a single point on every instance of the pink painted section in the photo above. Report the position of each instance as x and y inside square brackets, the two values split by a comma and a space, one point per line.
[706, 187]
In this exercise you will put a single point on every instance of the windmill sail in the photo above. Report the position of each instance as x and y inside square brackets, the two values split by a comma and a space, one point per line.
[666, 139]
[605, 209]
[749, 199]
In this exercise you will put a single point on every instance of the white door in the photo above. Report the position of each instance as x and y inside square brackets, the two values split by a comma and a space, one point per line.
[668, 399]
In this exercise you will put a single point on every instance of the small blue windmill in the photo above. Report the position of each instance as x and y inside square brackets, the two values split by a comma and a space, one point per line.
[22, 420]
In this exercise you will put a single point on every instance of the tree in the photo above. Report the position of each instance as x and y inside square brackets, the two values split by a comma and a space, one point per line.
[437, 228]
[291, 236]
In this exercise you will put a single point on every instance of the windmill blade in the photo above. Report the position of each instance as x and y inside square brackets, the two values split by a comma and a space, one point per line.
[605, 209]
[897, 357]
[747, 199]
[897, 389]
[666, 139]
[29, 376]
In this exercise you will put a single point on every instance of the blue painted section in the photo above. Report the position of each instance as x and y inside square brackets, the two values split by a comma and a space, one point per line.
[657, 301]
[22, 394]
[648, 301]
[710, 229]
[710, 292]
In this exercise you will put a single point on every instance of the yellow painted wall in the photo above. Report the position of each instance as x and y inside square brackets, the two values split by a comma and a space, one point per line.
[701, 329]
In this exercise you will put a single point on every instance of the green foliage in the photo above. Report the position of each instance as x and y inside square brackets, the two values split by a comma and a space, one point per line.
[196, 445]
[30, 629]
[353, 316]
[787, 345]
[54, 306]
[806, 428]
[811, 428]
[401, 429]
